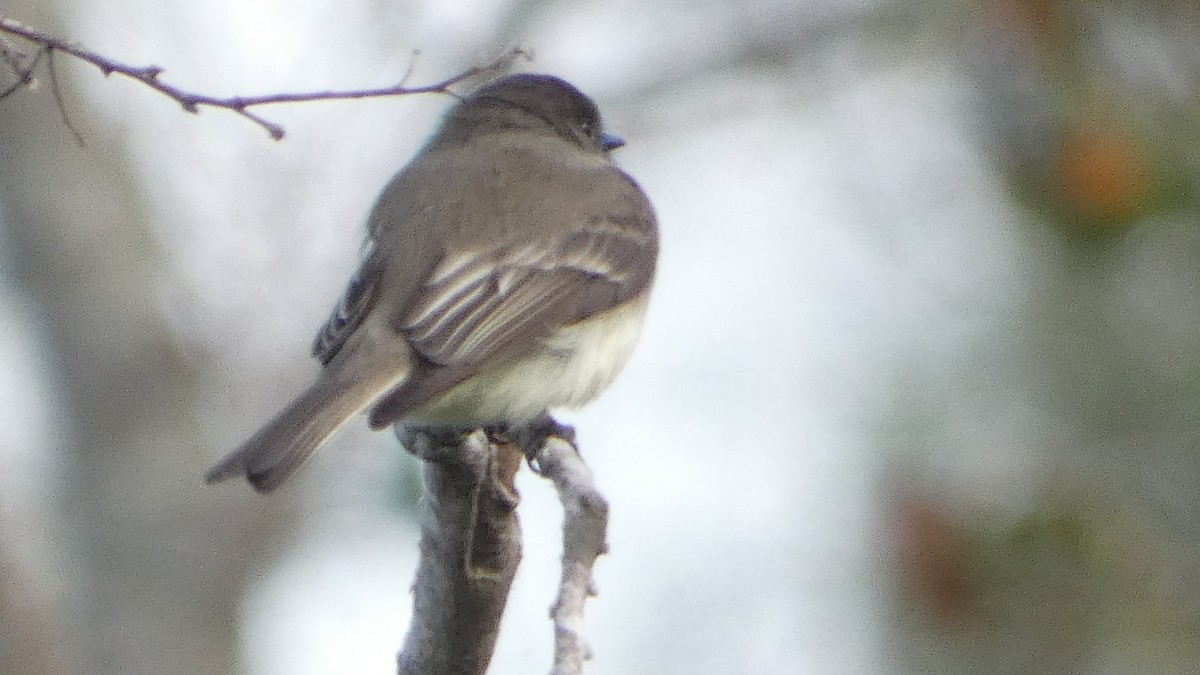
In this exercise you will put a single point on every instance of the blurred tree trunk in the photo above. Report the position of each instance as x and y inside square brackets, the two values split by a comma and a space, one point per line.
[157, 577]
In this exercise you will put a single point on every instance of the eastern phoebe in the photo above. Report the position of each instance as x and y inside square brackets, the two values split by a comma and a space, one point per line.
[507, 272]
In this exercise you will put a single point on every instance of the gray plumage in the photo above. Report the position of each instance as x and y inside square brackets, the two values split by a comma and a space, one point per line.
[507, 272]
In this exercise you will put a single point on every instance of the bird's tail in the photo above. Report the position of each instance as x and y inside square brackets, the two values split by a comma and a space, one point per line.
[358, 376]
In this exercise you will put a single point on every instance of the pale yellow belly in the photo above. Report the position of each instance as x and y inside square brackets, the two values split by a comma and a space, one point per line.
[576, 365]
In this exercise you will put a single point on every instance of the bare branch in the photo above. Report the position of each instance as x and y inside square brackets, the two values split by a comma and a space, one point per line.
[192, 101]
[470, 549]
[585, 522]
[470, 546]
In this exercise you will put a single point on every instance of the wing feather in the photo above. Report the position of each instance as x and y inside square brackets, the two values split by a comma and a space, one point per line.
[476, 305]
[356, 302]
[503, 302]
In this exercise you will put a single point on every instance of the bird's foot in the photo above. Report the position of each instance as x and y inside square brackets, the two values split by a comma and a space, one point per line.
[532, 436]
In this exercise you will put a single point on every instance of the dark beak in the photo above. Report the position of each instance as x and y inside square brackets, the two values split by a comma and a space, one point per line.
[610, 142]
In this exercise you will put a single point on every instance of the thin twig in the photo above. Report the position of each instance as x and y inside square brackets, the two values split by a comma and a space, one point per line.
[58, 99]
[192, 101]
[585, 523]
[24, 74]
[11, 56]
[412, 64]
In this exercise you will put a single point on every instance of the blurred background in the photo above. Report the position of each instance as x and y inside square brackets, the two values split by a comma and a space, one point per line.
[919, 391]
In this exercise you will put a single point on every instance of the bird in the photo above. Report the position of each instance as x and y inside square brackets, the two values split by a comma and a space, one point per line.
[507, 271]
